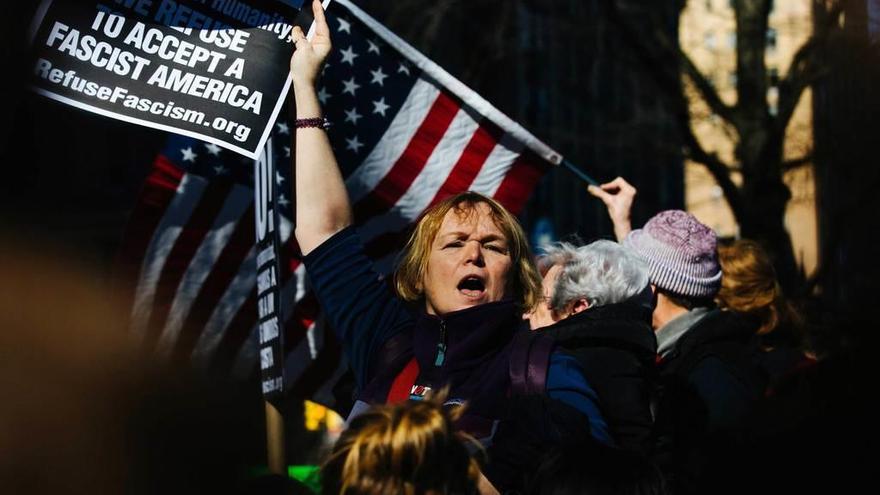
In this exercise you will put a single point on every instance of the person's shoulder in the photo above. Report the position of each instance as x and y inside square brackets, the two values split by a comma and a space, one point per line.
[609, 330]
[727, 367]
[717, 331]
[563, 363]
[346, 238]
[724, 324]
[564, 371]
[719, 340]
[567, 383]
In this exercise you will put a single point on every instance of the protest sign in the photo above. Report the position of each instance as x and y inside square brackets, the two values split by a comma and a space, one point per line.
[268, 275]
[216, 70]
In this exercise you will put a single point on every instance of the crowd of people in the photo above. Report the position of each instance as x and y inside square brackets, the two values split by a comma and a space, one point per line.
[661, 362]
[610, 367]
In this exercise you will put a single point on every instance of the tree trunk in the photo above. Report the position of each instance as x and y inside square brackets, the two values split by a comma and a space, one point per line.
[765, 196]
[759, 149]
[764, 221]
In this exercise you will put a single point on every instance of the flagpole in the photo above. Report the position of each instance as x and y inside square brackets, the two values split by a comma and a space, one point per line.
[275, 440]
[579, 173]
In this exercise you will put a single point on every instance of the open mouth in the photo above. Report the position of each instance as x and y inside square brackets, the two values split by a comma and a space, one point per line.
[472, 286]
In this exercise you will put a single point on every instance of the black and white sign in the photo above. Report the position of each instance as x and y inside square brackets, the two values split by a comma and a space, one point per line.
[268, 276]
[215, 70]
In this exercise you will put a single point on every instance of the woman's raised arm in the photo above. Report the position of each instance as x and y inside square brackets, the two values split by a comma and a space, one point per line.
[322, 204]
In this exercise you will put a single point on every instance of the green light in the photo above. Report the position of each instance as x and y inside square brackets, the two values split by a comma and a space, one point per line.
[307, 475]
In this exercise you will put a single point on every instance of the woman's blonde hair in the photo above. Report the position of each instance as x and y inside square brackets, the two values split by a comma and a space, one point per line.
[749, 285]
[409, 448]
[525, 282]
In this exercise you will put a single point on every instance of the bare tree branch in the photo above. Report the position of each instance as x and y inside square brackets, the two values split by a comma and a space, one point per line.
[706, 89]
[751, 18]
[805, 69]
[668, 77]
[797, 162]
[719, 170]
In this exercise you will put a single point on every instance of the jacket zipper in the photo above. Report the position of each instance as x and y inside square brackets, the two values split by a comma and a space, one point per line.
[441, 346]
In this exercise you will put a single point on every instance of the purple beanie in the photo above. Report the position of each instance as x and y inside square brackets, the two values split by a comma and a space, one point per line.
[680, 252]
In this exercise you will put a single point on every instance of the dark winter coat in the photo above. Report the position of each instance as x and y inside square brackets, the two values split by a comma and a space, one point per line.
[616, 348]
[709, 384]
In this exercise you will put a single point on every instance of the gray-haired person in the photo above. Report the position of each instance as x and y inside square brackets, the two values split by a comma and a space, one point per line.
[597, 306]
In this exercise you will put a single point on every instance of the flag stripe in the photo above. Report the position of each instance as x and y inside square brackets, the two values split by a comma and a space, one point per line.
[203, 262]
[232, 302]
[157, 193]
[411, 163]
[471, 161]
[235, 335]
[295, 328]
[394, 141]
[227, 266]
[293, 295]
[502, 158]
[165, 176]
[425, 185]
[178, 213]
[298, 359]
[479, 147]
[181, 254]
[519, 182]
[304, 315]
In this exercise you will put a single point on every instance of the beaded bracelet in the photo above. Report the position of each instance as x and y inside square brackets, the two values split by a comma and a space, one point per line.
[318, 122]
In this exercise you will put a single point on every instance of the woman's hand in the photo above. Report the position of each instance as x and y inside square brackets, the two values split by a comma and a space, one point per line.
[618, 196]
[309, 56]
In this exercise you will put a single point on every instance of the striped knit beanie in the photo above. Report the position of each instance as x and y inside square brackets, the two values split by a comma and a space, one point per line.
[680, 252]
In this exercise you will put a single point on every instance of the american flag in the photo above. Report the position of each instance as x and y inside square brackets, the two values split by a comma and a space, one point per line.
[406, 135]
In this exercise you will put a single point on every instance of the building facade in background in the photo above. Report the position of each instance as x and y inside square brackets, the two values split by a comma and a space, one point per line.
[707, 34]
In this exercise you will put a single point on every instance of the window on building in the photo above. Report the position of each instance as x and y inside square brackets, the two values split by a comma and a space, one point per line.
[773, 100]
[731, 78]
[731, 40]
